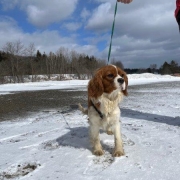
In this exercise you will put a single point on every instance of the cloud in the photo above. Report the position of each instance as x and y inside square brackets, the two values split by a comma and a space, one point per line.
[85, 14]
[45, 41]
[9, 30]
[45, 13]
[73, 26]
[145, 32]
[42, 13]
[101, 19]
[9, 4]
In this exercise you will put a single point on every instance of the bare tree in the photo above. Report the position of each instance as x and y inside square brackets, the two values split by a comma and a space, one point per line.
[117, 63]
[22, 61]
[51, 64]
[30, 51]
[10, 50]
[15, 50]
[153, 67]
[75, 68]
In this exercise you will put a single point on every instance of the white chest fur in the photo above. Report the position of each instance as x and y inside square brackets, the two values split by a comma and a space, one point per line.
[110, 102]
[109, 107]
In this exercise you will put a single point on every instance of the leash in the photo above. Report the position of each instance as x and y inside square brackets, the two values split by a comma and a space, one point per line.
[65, 121]
[109, 54]
[97, 110]
[112, 32]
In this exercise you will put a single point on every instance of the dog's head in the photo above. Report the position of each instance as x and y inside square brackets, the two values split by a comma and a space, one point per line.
[107, 79]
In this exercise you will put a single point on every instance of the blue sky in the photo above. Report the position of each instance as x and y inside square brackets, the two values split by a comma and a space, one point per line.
[145, 32]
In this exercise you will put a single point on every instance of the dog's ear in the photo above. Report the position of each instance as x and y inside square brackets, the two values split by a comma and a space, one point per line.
[126, 81]
[95, 86]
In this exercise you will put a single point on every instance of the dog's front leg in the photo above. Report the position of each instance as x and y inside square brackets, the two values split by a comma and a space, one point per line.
[118, 150]
[95, 140]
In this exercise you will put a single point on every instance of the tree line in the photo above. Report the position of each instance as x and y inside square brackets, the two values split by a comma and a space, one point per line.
[18, 61]
[171, 68]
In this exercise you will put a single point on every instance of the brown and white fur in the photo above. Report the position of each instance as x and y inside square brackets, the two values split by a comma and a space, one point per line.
[106, 90]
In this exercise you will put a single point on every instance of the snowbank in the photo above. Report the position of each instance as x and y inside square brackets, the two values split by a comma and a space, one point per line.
[134, 79]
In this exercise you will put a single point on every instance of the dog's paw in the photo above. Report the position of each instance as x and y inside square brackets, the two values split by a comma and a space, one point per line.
[98, 152]
[118, 153]
[109, 132]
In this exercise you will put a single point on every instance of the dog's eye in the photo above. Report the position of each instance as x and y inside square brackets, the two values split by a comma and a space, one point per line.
[110, 75]
[122, 75]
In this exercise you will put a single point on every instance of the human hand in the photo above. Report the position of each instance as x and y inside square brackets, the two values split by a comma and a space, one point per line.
[125, 1]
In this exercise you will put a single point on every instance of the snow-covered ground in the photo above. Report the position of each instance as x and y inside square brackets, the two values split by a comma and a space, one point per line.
[134, 79]
[53, 144]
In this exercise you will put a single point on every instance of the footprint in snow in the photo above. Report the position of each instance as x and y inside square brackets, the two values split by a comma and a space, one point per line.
[50, 145]
[147, 144]
[127, 141]
[99, 164]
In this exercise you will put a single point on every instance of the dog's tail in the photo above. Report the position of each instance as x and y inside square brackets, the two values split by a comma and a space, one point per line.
[83, 110]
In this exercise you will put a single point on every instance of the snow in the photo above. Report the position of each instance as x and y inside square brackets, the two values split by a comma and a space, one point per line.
[147, 78]
[134, 79]
[46, 85]
[54, 144]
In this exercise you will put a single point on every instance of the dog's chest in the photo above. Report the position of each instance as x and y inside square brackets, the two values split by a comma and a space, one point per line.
[109, 121]
[108, 105]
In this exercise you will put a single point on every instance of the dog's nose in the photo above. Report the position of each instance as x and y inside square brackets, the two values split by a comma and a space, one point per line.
[120, 80]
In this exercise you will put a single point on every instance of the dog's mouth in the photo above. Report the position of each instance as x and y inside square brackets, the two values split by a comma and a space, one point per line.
[122, 86]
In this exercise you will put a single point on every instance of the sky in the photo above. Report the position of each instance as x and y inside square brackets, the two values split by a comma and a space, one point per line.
[145, 32]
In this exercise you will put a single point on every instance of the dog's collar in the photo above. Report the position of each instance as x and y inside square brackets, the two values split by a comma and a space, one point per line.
[97, 110]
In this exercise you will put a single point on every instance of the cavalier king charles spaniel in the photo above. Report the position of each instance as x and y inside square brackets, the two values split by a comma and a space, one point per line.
[105, 91]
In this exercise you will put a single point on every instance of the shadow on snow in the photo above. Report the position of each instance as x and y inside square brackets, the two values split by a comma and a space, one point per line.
[129, 113]
[78, 138]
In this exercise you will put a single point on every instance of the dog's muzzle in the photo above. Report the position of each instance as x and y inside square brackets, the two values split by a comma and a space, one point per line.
[120, 81]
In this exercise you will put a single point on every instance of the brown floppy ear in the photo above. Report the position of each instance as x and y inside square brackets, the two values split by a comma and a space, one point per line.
[95, 86]
[126, 81]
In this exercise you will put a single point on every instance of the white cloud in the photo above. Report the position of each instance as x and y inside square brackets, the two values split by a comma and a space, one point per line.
[41, 13]
[73, 26]
[145, 32]
[101, 18]
[45, 41]
[9, 4]
[85, 14]
[44, 13]
[9, 30]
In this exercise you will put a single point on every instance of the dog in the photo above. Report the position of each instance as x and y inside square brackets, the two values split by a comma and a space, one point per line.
[105, 91]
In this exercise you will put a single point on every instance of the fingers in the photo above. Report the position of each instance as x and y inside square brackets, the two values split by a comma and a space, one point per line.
[125, 1]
